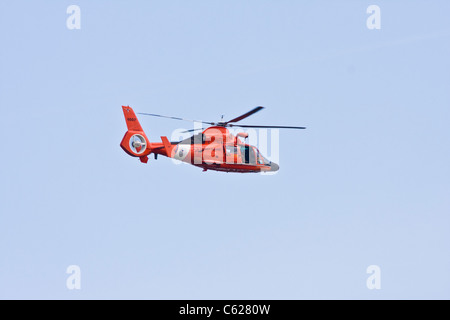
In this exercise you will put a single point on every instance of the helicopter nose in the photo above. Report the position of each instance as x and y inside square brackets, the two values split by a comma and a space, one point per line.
[274, 166]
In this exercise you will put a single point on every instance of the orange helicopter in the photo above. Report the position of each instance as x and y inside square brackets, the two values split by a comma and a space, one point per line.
[215, 148]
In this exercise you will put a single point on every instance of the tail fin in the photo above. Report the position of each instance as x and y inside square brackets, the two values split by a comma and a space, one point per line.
[135, 142]
[131, 119]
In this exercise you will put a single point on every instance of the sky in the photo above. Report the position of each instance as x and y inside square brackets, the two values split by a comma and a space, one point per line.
[366, 184]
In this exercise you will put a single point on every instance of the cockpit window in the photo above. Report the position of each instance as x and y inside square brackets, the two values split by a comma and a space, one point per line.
[261, 159]
[248, 155]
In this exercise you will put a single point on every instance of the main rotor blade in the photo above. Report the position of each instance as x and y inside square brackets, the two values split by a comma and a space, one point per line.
[245, 115]
[175, 118]
[273, 127]
[192, 130]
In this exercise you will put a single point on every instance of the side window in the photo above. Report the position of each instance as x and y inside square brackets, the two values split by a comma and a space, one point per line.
[244, 154]
[248, 154]
[229, 150]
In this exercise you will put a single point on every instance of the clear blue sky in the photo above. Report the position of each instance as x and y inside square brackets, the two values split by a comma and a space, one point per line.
[368, 183]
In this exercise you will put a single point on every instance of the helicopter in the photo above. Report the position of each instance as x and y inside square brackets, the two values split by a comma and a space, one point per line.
[215, 148]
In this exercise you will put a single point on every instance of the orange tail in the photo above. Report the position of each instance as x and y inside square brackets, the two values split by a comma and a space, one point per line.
[135, 142]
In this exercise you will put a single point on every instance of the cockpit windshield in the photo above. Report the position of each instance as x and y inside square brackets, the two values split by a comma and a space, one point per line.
[261, 158]
[251, 155]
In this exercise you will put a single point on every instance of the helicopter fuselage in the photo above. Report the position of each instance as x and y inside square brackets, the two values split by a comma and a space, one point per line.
[213, 149]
